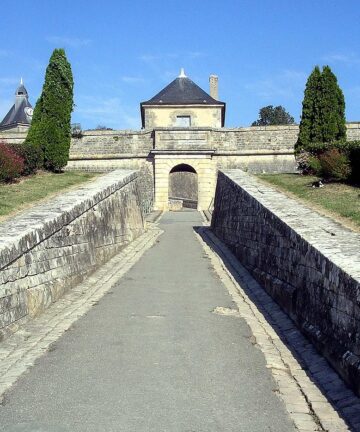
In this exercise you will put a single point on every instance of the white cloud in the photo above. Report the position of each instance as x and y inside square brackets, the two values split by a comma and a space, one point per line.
[72, 42]
[9, 81]
[196, 54]
[284, 84]
[132, 79]
[149, 57]
[110, 112]
[187, 55]
[349, 59]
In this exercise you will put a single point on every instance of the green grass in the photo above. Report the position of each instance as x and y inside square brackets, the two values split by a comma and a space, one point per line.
[31, 190]
[340, 201]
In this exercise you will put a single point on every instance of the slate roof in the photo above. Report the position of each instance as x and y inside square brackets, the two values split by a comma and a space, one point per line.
[16, 116]
[182, 91]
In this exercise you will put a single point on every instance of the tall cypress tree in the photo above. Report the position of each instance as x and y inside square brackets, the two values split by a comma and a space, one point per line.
[332, 108]
[323, 113]
[310, 109]
[50, 129]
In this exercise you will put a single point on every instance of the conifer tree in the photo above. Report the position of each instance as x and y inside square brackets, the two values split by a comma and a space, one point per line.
[50, 129]
[332, 108]
[323, 112]
[310, 109]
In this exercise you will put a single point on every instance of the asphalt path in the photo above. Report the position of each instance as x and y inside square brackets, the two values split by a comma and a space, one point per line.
[152, 356]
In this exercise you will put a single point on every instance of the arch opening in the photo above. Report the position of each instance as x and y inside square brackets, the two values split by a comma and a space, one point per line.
[183, 187]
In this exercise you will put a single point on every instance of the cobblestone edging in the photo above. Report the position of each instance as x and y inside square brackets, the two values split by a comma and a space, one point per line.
[312, 392]
[308, 263]
[20, 351]
[54, 246]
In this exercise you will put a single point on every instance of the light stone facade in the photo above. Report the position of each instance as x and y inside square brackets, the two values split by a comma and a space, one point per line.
[166, 116]
[202, 163]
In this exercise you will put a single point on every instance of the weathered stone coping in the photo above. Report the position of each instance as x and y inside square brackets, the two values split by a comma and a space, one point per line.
[23, 232]
[275, 152]
[21, 135]
[337, 243]
[75, 157]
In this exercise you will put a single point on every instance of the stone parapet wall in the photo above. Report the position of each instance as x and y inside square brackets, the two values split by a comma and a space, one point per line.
[308, 263]
[256, 138]
[47, 250]
[13, 137]
[257, 162]
[107, 144]
[100, 144]
[353, 131]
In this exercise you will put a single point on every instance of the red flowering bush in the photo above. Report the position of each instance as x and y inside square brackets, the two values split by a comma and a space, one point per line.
[11, 164]
[335, 165]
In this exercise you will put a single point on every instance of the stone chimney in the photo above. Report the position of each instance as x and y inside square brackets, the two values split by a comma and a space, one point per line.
[214, 90]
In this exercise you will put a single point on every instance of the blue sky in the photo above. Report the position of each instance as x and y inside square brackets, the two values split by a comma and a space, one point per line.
[123, 52]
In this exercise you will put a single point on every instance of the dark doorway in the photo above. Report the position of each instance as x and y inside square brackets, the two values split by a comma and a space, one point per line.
[183, 186]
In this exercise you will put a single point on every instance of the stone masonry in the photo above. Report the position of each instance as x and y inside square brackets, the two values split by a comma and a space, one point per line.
[308, 263]
[54, 246]
[155, 152]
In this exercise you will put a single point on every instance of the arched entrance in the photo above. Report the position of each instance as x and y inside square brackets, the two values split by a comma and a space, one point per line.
[183, 187]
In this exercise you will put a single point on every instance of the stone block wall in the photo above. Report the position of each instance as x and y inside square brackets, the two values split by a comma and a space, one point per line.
[308, 263]
[50, 248]
[353, 131]
[111, 144]
[255, 139]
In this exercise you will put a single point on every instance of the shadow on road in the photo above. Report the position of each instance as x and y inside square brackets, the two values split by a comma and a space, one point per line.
[344, 401]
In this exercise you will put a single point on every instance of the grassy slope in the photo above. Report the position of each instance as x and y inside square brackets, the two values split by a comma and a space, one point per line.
[340, 201]
[31, 190]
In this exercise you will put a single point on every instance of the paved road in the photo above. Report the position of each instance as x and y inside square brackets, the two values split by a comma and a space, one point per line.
[151, 356]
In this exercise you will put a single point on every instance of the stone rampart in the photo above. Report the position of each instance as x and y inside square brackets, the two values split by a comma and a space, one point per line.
[118, 147]
[253, 149]
[50, 248]
[111, 144]
[255, 139]
[308, 263]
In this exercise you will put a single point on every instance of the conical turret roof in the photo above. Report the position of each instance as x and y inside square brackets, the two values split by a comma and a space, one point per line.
[20, 113]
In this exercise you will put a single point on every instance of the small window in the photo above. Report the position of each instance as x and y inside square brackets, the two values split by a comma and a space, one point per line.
[183, 121]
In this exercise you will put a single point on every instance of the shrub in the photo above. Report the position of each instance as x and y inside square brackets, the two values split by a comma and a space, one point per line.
[315, 167]
[353, 149]
[309, 160]
[335, 165]
[11, 164]
[31, 156]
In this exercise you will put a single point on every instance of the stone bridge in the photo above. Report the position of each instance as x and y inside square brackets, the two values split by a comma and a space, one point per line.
[113, 320]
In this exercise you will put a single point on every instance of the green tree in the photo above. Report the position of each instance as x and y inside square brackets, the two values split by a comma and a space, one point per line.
[50, 130]
[310, 109]
[332, 108]
[323, 110]
[271, 115]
